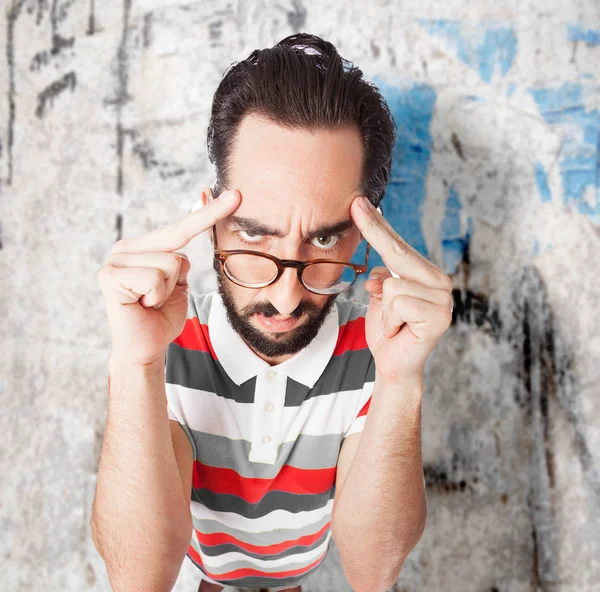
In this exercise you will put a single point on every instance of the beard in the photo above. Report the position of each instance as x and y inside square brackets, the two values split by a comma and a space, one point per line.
[272, 345]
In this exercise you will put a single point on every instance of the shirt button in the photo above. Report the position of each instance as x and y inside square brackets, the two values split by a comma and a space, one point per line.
[271, 375]
[269, 407]
[267, 439]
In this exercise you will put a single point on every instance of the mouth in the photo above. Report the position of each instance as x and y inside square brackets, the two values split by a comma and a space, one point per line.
[277, 323]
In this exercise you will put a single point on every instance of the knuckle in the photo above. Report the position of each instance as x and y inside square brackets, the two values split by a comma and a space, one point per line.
[449, 300]
[120, 246]
[157, 275]
[106, 272]
[447, 282]
[102, 274]
[387, 287]
[399, 248]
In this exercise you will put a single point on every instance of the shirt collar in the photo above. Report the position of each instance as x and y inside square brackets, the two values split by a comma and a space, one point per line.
[241, 363]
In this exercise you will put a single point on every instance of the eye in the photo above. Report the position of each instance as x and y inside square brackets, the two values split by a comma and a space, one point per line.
[327, 241]
[249, 237]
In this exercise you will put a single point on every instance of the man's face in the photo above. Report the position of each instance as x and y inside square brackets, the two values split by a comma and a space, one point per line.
[292, 182]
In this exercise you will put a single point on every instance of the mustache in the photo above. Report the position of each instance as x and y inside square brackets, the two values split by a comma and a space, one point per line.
[268, 310]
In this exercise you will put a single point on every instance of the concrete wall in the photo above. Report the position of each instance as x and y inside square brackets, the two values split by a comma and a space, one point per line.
[103, 116]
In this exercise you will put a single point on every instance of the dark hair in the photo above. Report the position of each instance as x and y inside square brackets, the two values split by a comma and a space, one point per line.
[303, 83]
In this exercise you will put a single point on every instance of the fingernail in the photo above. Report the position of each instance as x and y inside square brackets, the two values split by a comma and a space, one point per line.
[227, 195]
[375, 276]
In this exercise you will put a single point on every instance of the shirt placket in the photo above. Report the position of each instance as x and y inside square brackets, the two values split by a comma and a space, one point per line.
[267, 416]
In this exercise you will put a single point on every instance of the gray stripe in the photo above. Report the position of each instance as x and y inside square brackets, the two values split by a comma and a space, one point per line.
[262, 581]
[349, 310]
[216, 550]
[274, 500]
[197, 370]
[347, 372]
[307, 452]
[268, 537]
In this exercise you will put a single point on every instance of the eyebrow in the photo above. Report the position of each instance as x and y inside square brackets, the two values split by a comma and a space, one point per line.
[256, 227]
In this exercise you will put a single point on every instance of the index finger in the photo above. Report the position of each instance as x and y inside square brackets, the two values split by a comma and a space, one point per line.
[178, 234]
[397, 254]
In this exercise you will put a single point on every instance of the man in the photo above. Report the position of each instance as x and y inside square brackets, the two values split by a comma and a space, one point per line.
[295, 412]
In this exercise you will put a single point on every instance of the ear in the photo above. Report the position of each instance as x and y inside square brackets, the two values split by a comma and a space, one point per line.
[206, 196]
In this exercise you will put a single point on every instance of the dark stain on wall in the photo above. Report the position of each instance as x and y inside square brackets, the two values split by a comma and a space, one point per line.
[549, 388]
[473, 308]
[442, 476]
[296, 18]
[145, 153]
[457, 146]
[215, 32]
[122, 95]
[69, 80]
[42, 58]
[91, 20]
[11, 19]
[119, 227]
[147, 29]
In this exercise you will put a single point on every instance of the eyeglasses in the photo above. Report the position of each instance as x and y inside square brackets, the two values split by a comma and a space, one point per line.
[254, 269]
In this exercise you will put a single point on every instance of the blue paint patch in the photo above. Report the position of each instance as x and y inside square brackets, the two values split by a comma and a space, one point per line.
[542, 182]
[497, 50]
[402, 205]
[536, 247]
[579, 159]
[576, 33]
[454, 243]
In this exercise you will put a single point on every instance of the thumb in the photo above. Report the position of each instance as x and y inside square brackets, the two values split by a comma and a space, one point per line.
[374, 284]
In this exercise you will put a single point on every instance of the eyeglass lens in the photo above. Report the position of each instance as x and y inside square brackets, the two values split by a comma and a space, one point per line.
[255, 271]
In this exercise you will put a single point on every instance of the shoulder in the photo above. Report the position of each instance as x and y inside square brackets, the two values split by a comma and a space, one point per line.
[352, 340]
[349, 309]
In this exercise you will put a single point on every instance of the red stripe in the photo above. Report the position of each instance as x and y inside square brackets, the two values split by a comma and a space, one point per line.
[221, 538]
[195, 336]
[248, 572]
[365, 408]
[252, 489]
[351, 337]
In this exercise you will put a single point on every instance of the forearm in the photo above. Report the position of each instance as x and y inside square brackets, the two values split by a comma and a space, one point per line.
[381, 511]
[140, 516]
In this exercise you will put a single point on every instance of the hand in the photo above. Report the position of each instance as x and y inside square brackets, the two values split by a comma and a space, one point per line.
[408, 314]
[144, 284]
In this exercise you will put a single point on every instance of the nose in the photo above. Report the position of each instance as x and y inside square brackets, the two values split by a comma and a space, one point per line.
[287, 292]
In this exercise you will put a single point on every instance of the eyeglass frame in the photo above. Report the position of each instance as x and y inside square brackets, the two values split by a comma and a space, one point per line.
[222, 255]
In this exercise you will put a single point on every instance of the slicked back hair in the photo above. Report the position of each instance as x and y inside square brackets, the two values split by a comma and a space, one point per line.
[302, 83]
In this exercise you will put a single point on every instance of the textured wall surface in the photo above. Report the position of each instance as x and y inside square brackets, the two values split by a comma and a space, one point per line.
[496, 175]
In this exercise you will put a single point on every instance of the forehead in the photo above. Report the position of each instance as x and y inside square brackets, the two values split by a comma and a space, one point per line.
[295, 173]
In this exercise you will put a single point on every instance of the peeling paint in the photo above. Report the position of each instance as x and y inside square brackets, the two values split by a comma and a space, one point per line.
[402, 205]
[454, 237]
[542, 182]
[579, 158]
[488, 48]
[578, 33]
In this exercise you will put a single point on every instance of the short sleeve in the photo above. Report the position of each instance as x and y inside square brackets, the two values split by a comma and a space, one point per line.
[358, 422]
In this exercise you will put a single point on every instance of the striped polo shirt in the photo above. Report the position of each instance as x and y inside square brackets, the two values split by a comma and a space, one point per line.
[265, 440]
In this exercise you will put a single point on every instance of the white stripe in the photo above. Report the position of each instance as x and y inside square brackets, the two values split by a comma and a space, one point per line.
[357, 426]
[206, 412]
[213, 562]
[272, 520]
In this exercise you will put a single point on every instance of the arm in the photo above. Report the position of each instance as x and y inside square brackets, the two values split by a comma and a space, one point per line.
[141, 521]
[380, 508]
